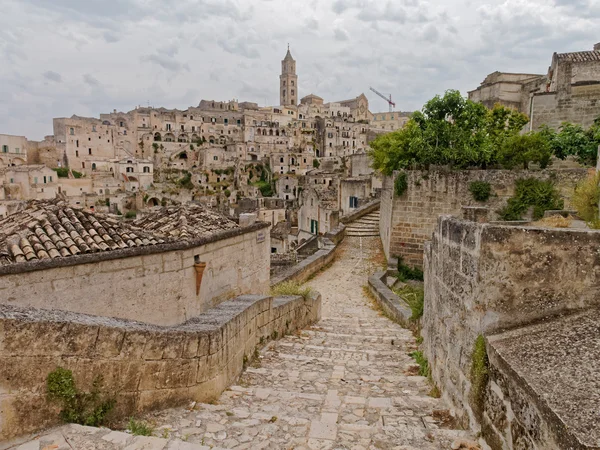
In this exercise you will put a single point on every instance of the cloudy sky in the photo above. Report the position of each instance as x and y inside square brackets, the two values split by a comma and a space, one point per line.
[64, 57]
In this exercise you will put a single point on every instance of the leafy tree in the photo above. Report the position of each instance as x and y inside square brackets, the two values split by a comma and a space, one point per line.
[522, 149]
[572, 139]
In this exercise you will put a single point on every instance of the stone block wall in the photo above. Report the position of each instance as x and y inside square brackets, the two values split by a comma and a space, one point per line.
[154, 284]
[407, 221]
[145, 366]
[581, 106]
[481, 279]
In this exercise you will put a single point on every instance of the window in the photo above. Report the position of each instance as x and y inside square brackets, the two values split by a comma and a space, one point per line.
[77, 153]
[280, 159]
[5, 149]
[129, 169]
[17, 150]
[93, 166]
[35, 180]
[215, 158]
[121, 123]
[193, 128]
[44, 180]
[226, 121]
[89, 139]
[146, 169]
[77, 143]
[273, 250]
[239, 121]
[89, 151]
[12, 180]
[168, 127]
[82, 165]
[292, 92]
[353, 202]
[182, 128]
[50, 178]
[71, 131]
[94, 128]
[292, 85]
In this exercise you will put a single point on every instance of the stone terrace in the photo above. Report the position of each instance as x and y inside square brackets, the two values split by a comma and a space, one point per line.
[346, 383]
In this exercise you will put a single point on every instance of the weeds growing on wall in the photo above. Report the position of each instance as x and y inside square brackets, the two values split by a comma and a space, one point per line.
[63, 172]
[400, 184]
[479, 373]
[84, 408]
[186, 181]
[586, 198]
[481, 190]
[406, 272]
[292, 288]
[420, 359]
[531, 192]
[140, 428]
[414, 298]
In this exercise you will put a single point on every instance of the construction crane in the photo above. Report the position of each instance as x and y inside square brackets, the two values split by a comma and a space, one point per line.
[389, 100]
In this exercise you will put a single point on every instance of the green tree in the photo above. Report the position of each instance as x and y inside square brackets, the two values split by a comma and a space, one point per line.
[522, 149]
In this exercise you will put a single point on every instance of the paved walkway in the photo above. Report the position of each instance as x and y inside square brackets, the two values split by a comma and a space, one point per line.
[345, 383]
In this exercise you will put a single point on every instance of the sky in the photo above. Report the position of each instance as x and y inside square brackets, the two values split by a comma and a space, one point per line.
[86, 57]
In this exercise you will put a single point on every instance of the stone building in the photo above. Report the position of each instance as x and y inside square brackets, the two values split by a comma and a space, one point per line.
[389, 121]
[164, 269]
[13, 150]
[569, 92]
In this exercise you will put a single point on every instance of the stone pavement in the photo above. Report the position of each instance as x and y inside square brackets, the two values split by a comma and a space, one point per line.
[346, 383]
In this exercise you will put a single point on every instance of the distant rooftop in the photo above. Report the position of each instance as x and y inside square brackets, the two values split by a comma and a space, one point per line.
[579, 56]
[51, 229]
[187, 221]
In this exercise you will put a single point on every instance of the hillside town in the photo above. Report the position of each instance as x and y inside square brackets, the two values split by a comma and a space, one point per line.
[310, 275]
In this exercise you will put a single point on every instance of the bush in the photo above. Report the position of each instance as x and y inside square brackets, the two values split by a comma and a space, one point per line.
[586, 198]
[139, 428]
[63, 172]
[316, 163]
[131, 214]
[265, 188]
[186, 181]
[542, 195]
[292, 288]
[414, 298]
[227, 193]
[84, 408]
[408, 273]
[481, 190]
[400, 184]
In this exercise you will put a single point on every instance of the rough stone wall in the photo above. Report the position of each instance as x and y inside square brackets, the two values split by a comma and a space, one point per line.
[146, 367]
[485, 278]
[408, 221]
[580, 106]
[157, 288]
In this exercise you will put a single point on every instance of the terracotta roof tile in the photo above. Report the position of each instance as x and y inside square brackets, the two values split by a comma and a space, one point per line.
[580, 56]
[53, 229]
[184, 222]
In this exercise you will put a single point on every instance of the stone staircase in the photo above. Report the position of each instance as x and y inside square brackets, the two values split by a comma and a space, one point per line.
[366, 226]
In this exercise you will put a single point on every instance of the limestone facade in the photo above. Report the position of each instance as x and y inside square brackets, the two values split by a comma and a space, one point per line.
[13, 150]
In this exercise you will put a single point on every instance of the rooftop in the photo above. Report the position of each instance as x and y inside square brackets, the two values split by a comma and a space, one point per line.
[188, 221]
[579, 56]
[559, 360]
[52, 229]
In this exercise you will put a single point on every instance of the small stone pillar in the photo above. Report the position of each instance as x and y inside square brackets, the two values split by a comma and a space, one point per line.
[199, 268]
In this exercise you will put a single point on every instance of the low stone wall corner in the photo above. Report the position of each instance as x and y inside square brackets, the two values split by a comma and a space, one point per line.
[393, 305]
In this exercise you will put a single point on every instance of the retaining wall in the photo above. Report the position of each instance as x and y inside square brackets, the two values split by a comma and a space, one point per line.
[145, 366]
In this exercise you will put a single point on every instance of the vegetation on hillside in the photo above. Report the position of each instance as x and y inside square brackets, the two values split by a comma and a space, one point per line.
[531, 192]
[586, 199]
[63, 172]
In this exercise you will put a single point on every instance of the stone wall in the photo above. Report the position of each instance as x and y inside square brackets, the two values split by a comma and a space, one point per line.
[481, 279]
[146, 366]
[155, 284]
[408, 221]
[579, 105]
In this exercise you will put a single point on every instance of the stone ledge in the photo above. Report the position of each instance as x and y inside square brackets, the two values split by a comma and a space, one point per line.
[393, 305]
[146, 366]
[309, 266]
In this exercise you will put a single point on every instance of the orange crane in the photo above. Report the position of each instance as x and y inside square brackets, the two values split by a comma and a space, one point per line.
[389, 100]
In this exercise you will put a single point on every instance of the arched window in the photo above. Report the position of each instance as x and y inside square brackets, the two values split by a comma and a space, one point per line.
[93, 166]
[157, 137]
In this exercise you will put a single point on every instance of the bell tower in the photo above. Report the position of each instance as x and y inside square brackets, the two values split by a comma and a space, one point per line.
[288, 81]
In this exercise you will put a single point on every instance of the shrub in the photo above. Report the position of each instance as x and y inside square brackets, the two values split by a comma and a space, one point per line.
[292, 288]
[420, 359]
[316, 163]
[414, 298]
[186, 181]
[586, 198]
[139, 428]
[479, 372]
[481, 190]
[400, 184]
[408, 273]
[542, 195]
[84, 408]
[63, 172]
[131, 214]
[522, 149]
[227, 193]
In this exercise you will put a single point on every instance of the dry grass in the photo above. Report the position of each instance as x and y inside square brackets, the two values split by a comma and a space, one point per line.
[556, 221]
[291, 288]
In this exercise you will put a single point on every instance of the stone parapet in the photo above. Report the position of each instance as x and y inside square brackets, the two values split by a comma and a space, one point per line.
[391, 304]
[309, 266]
[146, 366]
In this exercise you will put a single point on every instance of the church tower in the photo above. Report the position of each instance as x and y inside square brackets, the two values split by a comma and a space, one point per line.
[288, 81]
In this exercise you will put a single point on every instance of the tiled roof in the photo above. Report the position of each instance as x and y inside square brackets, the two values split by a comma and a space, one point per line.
[579, 56]
[187, 221]
[52, 229]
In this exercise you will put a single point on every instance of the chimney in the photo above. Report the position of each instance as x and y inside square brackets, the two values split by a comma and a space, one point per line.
[597, 47]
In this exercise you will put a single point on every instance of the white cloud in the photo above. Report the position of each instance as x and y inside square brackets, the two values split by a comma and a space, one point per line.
[137, 51]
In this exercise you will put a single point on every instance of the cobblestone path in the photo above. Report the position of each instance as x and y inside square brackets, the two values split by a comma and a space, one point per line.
[345, 383]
